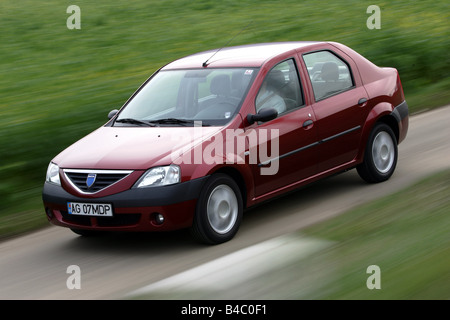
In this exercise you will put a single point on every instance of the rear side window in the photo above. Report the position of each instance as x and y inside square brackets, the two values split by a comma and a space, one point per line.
[328, 74]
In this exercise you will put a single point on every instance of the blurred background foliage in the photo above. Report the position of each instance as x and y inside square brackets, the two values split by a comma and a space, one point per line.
[57, 85]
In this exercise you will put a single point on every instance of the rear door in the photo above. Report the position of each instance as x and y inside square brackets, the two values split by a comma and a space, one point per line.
[340, 106]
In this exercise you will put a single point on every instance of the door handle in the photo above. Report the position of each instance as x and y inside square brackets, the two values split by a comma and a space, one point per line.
[307, 123]
[362, 101]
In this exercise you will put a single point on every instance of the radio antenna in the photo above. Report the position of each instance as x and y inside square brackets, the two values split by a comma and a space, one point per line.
[205, 64]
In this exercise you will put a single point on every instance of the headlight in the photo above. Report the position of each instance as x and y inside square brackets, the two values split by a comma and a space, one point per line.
[53, 174]
[160, 176]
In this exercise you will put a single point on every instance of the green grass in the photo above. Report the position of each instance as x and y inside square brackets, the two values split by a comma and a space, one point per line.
[57, 85]
[405, 234]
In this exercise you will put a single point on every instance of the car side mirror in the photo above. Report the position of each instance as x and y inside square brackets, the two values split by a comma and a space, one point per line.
[112, 113]
[263, 115]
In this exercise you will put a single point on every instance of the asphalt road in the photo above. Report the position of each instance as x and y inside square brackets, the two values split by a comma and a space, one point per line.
[35, 266]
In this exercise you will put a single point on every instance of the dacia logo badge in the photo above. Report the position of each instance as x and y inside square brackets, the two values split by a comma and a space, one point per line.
[90, 180]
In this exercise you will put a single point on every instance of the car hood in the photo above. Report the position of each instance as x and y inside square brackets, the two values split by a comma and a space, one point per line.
[131, 148]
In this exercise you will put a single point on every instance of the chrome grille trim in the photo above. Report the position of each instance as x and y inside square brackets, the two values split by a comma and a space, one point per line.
[105, 179]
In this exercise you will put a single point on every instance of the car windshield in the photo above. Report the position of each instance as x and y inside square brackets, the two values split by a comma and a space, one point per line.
[188, 97]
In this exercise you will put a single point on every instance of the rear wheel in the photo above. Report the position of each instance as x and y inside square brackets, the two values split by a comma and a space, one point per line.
[380, 158]
[219, 210]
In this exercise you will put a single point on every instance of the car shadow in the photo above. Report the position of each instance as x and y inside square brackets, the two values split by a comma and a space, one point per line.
[133, 242]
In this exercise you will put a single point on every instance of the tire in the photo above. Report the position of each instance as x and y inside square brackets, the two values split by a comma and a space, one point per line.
[219, 210]
[380, 157]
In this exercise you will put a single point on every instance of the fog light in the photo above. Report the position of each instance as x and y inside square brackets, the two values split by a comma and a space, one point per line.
[159, 218]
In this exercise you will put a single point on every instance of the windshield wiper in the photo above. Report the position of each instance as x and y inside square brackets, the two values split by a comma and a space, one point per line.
[174, 121]
[135, 121]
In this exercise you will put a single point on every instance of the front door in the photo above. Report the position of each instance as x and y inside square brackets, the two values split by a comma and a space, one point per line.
[284, 161]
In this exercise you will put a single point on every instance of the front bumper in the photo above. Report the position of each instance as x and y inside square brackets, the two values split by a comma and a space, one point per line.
[134, 209]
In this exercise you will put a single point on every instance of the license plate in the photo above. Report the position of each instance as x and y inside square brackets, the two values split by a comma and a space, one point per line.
[90, 209]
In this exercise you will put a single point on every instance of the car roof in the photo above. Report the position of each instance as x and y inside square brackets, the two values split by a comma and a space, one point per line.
[251, 55]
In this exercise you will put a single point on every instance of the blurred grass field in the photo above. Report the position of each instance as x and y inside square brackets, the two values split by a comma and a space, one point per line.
[57, 85]
[405, 234]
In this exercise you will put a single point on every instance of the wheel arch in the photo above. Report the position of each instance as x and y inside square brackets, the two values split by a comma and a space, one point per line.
[236, 175]
[391, 122]
[381, 113]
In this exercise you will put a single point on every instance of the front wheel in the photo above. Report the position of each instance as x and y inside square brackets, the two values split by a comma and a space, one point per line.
[380, 157]
[219, 210]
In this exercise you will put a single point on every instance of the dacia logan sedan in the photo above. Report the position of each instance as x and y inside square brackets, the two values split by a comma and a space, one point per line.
[214, 133]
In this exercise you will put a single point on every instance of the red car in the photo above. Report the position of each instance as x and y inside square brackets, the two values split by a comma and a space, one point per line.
[214, 133]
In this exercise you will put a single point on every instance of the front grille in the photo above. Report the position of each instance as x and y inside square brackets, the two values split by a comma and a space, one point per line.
[103, 179]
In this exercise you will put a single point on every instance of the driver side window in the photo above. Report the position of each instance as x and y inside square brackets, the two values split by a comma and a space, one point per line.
[280, 89]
